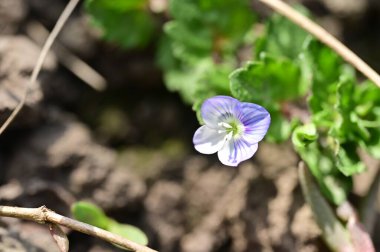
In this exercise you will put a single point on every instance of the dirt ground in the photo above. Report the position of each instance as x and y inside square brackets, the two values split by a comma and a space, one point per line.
[129, 150]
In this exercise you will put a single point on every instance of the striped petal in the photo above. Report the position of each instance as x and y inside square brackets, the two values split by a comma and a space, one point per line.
[207, 140]
[256, 121]
[218, 109]
[236, 151]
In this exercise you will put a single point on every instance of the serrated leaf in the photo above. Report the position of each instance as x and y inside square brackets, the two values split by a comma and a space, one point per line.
[269, 82]
[266, 81]
[91, 214]
[128, 231]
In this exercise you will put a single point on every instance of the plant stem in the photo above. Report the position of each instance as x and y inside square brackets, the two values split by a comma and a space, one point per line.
[45, 215]
[368, 205]
[37, 68]
[325, 37]
[334, 233]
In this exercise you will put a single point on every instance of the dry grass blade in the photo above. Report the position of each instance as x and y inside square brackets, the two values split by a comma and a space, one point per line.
[68, 59]
[50, 40]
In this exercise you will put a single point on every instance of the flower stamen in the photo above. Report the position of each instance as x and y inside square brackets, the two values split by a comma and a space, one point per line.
[225, 125]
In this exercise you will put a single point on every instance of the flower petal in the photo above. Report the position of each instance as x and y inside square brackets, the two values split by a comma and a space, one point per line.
[207, 140]
[256, 121]
[217, 109]
[236, 151]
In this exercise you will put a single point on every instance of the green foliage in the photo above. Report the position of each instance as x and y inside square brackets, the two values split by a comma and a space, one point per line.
[311, 94]
[203, 27]
[304, 135]
[282, 38]
[332, 183]
[198, 50]
[124, 22]
[93, 215]
[128, 231]
[269, 82]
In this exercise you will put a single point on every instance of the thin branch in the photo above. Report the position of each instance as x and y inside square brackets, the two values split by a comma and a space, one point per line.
[44, 215]
[37, 68]
[73, 63]
[324, 36]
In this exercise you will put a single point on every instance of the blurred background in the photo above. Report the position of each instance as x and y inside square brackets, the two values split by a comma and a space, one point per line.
[128, 148]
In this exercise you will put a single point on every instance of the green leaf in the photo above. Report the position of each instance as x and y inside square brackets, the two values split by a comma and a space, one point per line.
[367, 114]
[198, 82]
[322, 163]
[224, 18]
[328, 70]
[282, 38]
[185, 45]
[91, 214]
[280, 128]
[204, 28]
[124, 22]
[128, 231]
[267, 81]
[348, 161]
[186, 10]
[304, 135]
[119, 5]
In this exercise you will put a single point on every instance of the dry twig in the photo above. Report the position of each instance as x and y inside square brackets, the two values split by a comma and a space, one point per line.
[68, 59]
[44, 215]
[37, 68]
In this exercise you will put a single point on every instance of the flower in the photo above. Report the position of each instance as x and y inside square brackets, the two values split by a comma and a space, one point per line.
[232, 128]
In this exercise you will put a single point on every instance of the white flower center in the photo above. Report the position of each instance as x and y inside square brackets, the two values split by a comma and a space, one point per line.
[233, 128]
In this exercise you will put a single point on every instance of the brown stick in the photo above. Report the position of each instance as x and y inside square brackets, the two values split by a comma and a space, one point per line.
[325, 37]
[37, 68]
[73, 63]
[45, 215]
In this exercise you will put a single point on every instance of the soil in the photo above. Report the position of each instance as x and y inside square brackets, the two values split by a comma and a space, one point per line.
[128, 149]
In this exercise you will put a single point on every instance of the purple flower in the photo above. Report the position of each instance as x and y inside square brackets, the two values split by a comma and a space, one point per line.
[232, 128]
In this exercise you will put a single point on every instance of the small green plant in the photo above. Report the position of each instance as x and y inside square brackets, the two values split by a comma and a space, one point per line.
[213, 48]
[119, 17]
[93, 215]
